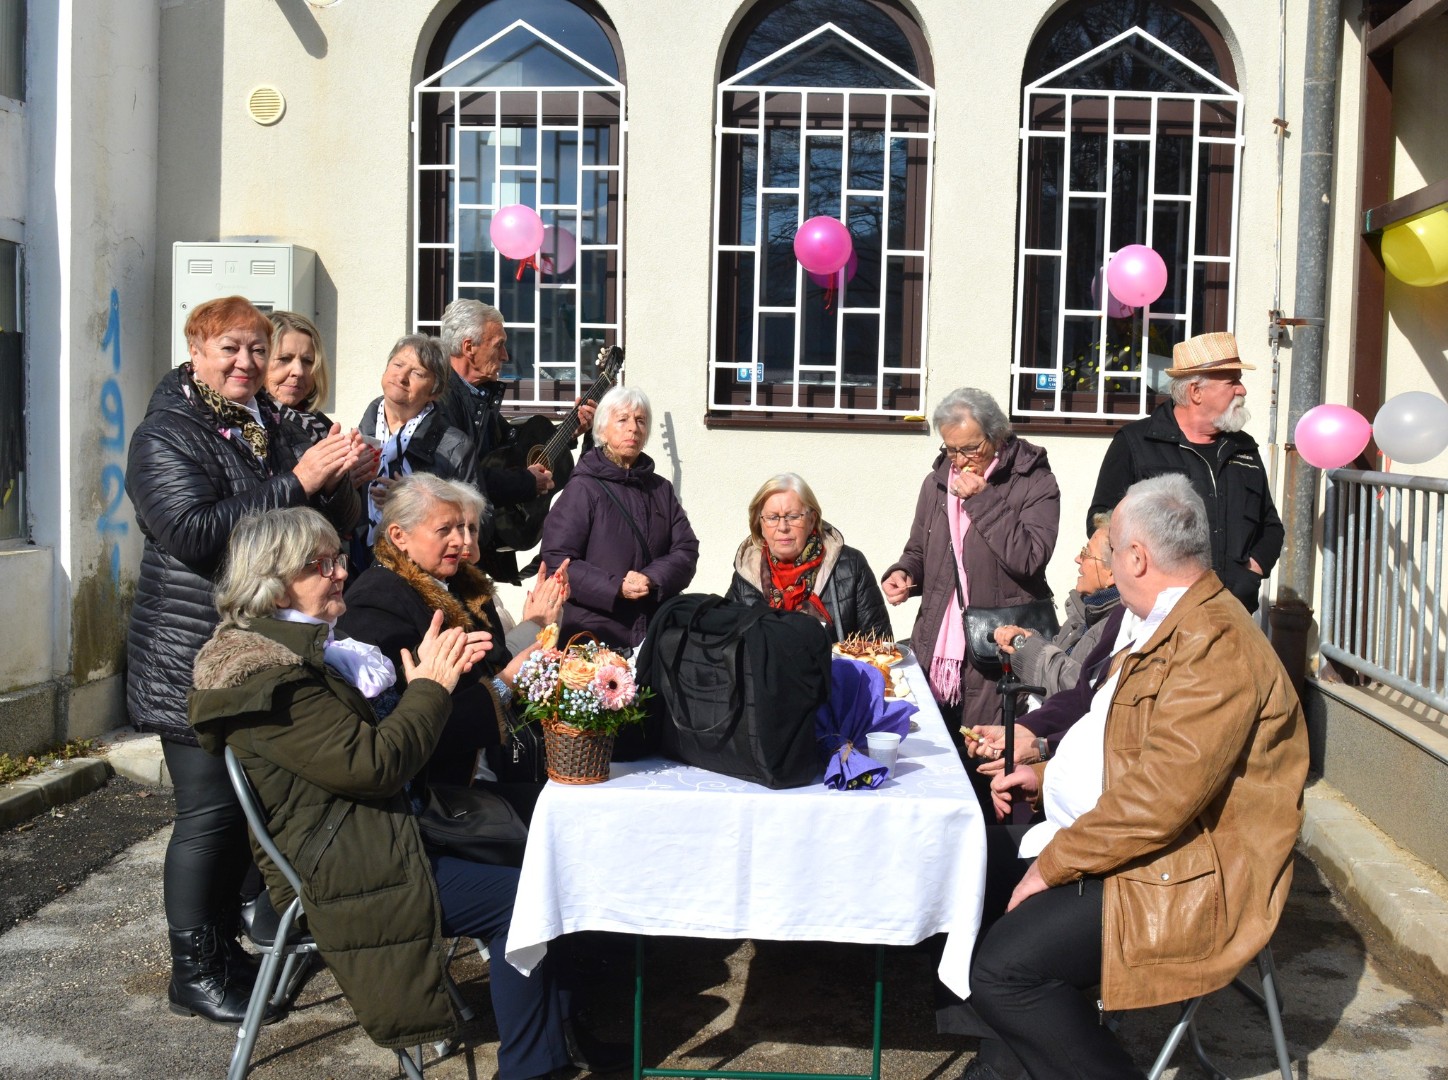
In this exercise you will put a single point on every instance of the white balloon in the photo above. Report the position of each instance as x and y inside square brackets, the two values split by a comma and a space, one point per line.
[1412, 428]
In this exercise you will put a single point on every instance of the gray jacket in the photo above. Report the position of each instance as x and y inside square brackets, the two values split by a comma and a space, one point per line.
[1056, 664]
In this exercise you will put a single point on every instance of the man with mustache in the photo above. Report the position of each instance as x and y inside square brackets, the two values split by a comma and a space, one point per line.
[1199, 434]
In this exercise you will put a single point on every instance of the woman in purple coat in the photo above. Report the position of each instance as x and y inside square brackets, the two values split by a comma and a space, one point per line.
[622, 525]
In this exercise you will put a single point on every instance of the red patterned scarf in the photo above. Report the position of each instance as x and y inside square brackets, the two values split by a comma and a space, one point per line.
[790, 585]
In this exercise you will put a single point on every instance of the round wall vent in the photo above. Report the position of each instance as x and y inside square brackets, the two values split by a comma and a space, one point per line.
[265, 105]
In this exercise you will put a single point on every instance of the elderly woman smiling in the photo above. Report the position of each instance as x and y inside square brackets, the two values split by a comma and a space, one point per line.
[425, 543]
[622, 526]
[296, 705]
[794, 560]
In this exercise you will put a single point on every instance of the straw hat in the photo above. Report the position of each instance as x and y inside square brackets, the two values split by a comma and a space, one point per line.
[1205, 354]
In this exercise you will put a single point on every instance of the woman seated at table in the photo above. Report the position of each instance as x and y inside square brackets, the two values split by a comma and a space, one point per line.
[414, 436]
[621, 525]
[296, 705]
[794, 560]
[425, 541]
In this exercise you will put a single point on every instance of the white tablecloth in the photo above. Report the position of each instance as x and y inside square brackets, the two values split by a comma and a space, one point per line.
[666, 849]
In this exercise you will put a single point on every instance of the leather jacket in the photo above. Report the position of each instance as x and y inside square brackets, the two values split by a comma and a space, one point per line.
[1205, 760]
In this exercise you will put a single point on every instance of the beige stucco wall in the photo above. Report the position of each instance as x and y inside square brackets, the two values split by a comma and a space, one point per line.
[333, 175]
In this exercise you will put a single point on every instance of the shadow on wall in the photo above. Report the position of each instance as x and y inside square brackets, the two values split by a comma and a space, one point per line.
[304, 25]
[324, 302]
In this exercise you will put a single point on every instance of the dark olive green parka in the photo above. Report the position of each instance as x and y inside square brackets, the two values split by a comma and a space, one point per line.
[330, 776]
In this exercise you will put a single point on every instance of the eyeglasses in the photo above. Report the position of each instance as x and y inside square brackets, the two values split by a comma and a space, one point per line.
[964, 451]
[1086, 554]
[328, 565]
[774, 521]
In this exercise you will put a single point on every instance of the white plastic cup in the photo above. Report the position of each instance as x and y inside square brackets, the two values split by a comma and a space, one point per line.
[884, 747]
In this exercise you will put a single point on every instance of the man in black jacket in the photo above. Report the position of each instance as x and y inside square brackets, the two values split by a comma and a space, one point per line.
[1199, 433]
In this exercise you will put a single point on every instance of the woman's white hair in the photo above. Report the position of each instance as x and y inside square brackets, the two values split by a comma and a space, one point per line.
[413, 497]
[968, 403]
[266, 553]
[622, 397]
[1167, 517]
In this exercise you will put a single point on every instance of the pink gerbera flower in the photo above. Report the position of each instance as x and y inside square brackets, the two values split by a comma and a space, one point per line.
[613, 685]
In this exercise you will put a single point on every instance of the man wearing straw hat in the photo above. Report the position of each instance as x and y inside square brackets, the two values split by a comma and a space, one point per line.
[1199, 434]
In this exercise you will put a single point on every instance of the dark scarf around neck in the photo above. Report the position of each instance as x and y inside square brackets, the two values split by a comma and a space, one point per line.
[228, 414]
[464, 600]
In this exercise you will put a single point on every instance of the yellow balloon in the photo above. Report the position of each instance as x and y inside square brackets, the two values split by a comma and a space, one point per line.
[1416, 252]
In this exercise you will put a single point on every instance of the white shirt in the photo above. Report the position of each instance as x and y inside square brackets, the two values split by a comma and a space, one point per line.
[1074, 779]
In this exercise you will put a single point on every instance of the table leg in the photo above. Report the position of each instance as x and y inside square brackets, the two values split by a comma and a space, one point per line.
[639, 1072]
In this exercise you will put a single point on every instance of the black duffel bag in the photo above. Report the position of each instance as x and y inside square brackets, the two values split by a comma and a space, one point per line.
[739, 685]
[472, 823]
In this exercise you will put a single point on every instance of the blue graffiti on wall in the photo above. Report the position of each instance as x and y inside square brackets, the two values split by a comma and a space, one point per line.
[113, 441]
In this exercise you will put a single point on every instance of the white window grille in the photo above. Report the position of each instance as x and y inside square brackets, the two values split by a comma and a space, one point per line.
[793, 141]
[1102, 168]
[554, 144]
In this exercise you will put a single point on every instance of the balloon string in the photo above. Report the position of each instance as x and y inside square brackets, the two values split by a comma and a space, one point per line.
[830, 293]
[523, 264]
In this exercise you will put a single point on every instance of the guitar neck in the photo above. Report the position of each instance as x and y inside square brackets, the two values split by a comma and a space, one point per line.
[562, 438]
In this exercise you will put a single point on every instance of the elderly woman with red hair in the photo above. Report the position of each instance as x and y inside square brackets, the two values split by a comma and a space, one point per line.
[213, 447]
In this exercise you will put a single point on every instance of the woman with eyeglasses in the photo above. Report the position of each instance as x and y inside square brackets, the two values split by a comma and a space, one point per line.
[984, 529]
[795, 560]
[622, 527]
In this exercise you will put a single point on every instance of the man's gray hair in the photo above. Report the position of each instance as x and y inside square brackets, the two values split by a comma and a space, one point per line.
[266, 553]
[622, 397]
[1167, 517]
[430, 355]
[1181, 388]
[968, 403]
[413, 497]
[464, 319]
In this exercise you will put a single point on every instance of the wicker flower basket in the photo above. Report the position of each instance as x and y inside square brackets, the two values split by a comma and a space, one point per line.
[576, 756]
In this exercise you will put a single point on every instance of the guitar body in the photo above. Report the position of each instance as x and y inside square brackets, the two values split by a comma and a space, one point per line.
[538, 440]
[518, 528]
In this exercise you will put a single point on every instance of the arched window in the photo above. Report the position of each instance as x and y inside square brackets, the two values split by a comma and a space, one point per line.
[524, 104]
[825, 107]
[1132, 134]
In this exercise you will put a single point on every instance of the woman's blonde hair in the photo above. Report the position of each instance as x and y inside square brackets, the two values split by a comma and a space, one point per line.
[785, 481]
[267, 552]
[289, 322]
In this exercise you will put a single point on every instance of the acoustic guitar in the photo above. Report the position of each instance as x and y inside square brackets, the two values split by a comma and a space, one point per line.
[537, 440]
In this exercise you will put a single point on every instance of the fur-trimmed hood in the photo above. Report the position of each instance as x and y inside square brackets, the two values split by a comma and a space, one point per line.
[237, 672]
[463, 602]
[234, 655]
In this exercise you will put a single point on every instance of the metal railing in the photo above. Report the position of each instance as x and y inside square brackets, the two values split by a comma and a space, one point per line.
[1384, 611]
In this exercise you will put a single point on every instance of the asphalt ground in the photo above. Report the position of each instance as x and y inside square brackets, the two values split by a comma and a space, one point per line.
[83, 979]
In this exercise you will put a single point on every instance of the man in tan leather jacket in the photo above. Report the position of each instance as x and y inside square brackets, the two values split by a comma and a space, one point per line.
[1172, 808]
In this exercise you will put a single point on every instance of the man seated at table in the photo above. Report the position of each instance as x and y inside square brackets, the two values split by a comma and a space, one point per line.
[1171, 810]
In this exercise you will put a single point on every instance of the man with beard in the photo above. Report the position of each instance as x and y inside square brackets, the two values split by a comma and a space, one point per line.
[1199, 434]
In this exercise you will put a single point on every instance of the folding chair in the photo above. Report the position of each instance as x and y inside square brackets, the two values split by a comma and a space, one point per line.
[1269, 999]
[288, 945]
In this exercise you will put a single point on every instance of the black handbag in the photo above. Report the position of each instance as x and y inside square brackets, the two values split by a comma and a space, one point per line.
[522, 759]
[472, 823]
[739, 685]
[981, 624]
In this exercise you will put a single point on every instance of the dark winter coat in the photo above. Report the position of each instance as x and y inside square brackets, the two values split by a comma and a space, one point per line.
[436, 446]
[1230, 478]
[479, 416]
[1013, 529]
[329, 777]
[844, 583]
[586, 526]
[190, 484]
[391, 606]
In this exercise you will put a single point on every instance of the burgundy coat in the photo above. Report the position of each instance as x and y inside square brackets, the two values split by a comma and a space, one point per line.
[586, 526]
[1012, 534]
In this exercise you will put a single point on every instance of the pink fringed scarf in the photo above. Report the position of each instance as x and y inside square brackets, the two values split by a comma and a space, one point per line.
[949, 654]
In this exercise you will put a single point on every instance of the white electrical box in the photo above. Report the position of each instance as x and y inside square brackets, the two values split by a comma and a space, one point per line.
[274, 277]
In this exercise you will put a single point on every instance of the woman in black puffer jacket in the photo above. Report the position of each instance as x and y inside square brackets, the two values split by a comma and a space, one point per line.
[795, 560]
[212, 448]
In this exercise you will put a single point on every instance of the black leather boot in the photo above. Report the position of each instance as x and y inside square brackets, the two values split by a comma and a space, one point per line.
[201, 983]
[242, 965]
[591, 1054]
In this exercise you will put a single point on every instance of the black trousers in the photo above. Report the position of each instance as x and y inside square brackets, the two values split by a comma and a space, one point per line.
[209, 856]
[1028, 974]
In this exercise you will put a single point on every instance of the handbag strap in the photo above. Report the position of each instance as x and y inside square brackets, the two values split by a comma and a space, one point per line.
[731, 643]
[638, 533]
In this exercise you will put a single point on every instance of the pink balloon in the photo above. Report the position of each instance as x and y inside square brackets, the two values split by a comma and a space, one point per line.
[823, 245]
[560, 250]
[1136, 275]
[840, 276]
[517, 231]
[1115, 309]
[1330, 436]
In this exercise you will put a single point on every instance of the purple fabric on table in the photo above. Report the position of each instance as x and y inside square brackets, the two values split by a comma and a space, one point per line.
[856, 707]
